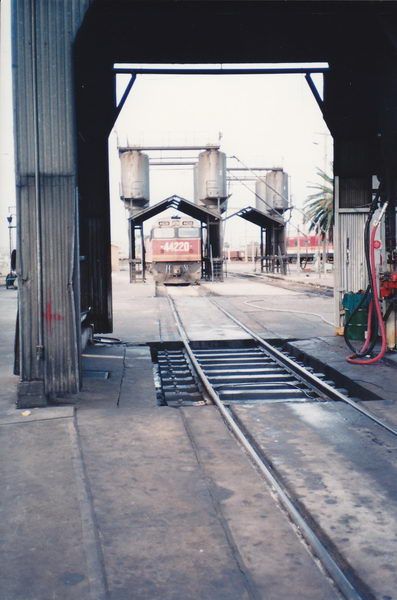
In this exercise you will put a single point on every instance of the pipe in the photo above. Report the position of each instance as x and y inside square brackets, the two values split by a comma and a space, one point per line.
[39, 347]
[366, 344]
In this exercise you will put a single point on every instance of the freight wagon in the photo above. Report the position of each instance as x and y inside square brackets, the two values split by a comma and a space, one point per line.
[309, 247]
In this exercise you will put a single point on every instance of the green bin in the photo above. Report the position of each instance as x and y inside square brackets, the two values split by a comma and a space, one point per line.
[358, 325]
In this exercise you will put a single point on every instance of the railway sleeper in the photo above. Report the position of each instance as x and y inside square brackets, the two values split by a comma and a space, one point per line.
[238, 374]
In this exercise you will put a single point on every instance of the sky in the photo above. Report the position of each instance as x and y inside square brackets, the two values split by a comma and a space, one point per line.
[7, 173]
[264, 120]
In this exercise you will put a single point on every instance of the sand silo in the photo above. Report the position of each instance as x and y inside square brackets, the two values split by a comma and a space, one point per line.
[261, 201]
[134, 179]
[210, 179]
[277, 189]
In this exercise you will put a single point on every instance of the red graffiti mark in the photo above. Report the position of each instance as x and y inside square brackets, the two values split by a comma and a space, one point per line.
[49, 316]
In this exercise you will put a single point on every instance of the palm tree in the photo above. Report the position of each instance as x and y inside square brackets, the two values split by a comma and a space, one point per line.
[319, 207]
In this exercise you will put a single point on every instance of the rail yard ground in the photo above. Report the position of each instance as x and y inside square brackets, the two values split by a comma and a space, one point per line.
[308, 276]
[116, 497]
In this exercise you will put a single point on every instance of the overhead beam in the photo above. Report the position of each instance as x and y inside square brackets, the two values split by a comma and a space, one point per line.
[254, 168]
[172, 162]
[217, 71]
[206, 147]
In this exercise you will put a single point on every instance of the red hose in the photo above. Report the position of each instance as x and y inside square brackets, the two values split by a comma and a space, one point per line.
[374, 303]
[369, 328]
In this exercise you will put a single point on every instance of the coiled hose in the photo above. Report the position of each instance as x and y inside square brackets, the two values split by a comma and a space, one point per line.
[375, 317]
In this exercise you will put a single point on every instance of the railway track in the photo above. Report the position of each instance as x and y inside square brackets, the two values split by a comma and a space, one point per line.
[257, 371]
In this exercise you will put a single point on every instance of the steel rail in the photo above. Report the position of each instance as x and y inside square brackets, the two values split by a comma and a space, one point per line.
[306, 375]
[340, 579]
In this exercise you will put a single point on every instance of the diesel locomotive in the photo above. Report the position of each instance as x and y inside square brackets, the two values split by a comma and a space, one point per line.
[174, 251]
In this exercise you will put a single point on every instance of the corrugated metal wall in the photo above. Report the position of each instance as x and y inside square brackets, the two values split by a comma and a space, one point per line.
[43, 34]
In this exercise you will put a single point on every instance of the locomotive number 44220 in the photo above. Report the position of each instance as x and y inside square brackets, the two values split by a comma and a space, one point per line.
[176, 246]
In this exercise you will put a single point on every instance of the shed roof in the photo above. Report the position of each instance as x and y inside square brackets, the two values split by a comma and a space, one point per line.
[258, 217]
[189, 208]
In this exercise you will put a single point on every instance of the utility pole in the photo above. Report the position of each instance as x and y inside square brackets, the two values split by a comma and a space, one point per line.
[325, 137]
[298, 251]
[10, 228]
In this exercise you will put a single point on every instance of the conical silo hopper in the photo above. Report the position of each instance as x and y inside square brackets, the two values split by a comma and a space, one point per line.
[134, 180]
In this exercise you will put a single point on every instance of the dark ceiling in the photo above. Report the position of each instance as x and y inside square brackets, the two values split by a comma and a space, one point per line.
[236, 31]
[358, 39]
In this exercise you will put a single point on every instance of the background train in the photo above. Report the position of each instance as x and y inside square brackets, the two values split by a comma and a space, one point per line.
[173, 251]
[309, 248]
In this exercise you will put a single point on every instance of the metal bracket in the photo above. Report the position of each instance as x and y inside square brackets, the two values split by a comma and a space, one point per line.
[314, 91]
[124, 97]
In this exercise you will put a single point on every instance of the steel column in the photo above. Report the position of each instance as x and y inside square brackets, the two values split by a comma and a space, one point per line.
[131, 232]
[47, 244]
[143, 254]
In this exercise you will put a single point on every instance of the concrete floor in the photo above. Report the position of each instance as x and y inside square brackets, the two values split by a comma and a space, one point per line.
[342, 471]
[274, 312]
[118, 498]
[308, 277]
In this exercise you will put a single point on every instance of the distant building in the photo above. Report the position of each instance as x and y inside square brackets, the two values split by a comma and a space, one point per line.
[115, 254]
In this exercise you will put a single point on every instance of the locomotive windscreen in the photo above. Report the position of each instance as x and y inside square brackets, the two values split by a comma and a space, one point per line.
[164, 233]
[188, 232]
